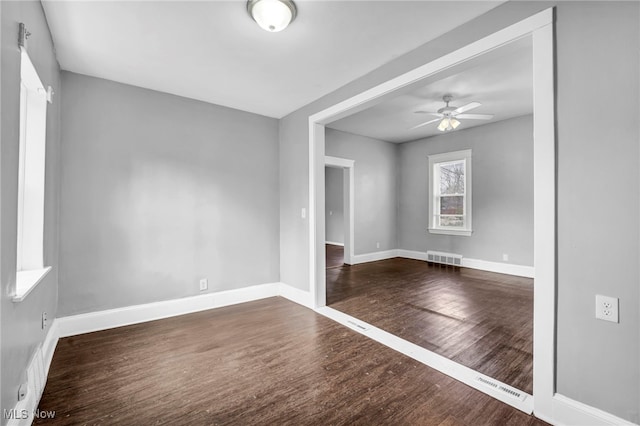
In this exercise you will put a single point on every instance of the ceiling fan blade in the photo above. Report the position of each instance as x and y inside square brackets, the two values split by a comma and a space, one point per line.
[437, 114]
[424, 124]
[475, 116]
[467, 107]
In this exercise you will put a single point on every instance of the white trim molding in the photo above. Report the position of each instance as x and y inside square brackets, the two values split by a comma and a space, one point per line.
[435, 164]
[499, 267]
[348, 202]
[50, 344]
[569, 412]
[112, 318]
[334, 243]
[25, 411]
[26, 281]
[482, 265]
[119, 317]
[301, 297]
[374, 256]
[338, 162]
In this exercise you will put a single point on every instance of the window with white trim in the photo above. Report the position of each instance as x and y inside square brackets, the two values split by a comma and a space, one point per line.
[31, 179]
[450, 193]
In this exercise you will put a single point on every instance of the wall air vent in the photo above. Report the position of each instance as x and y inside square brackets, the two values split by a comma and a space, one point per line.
[502, 388]
[444, 258]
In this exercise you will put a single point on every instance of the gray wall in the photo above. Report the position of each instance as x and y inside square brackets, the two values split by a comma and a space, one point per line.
[598, 203]
[375, 201]
[502, 182]
[597, 55]
[21, 329]
[159, 191]
[334, 204]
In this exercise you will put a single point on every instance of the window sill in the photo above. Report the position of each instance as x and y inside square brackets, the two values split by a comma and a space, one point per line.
[463, 232]
[26, 281]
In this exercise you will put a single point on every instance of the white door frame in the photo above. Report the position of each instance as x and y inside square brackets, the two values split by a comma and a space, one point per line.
[348, 179]
[540, 28]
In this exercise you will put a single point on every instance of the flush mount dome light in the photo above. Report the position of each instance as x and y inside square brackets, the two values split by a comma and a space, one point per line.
[272, 15]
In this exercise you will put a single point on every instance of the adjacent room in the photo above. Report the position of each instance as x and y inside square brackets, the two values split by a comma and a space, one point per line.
[320, 212]
[473, 300]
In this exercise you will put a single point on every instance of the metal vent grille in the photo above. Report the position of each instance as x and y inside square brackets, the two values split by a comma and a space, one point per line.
[444, 258]
[513, 393]
[358, 326]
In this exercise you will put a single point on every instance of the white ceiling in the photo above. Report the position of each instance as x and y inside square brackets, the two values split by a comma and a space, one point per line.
[214, 52]
[502, 81]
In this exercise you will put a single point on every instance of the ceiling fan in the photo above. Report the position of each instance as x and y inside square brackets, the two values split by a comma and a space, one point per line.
[449, 116]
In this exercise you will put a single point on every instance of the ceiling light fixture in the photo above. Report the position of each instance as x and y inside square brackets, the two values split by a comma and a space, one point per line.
[448, 123]
[272, 15]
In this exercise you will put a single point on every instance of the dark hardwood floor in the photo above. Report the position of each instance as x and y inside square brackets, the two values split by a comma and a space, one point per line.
[269, 362]
[479, 319]
[334, 255]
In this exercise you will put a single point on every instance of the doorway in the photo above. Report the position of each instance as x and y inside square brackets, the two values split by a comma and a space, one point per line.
[540, 28]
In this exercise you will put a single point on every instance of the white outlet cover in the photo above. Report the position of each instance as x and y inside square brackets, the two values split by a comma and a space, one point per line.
[607, 308]
[204, 284]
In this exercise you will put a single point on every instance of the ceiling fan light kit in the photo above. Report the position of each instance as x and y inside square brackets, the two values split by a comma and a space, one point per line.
[448, 124]
[448, 115]
[272, 15]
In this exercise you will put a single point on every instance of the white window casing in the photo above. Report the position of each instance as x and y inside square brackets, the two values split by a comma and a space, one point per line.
[459, 222]
[31, 180]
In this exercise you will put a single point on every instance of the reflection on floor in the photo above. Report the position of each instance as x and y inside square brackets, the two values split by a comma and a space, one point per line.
[479, 319]
[335, 255]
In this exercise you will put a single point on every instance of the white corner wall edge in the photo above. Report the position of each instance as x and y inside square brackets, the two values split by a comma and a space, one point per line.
[301, 297]
[483, 265]
[111, 318]
[568, 412]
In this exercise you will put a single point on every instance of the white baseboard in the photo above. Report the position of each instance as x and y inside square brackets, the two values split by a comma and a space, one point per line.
[499, 267]
[296, 295]
[410, 254]
[483, 265]
[372, 257]
[333, 243]
[24, 412]
[49, 345]
[568, 412]
[103, 320]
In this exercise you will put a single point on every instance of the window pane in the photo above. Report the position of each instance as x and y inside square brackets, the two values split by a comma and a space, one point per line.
[453, 221]
[452, 178]
[452, 205]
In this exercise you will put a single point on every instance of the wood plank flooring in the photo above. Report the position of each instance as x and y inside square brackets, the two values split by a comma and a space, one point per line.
[479, 319]
[269, 362]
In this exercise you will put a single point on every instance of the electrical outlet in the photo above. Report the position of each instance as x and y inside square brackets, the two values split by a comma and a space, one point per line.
[378, 245]
[44, 320]
[22, 391]
[505, 257]
[607, 308]
[303, 213]
[204, 284]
